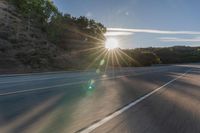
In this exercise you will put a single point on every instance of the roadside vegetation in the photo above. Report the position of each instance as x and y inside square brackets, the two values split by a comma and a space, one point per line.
[167, 55]
[61, 29]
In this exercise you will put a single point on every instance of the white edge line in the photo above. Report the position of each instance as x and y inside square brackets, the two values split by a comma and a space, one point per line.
[113, 115]
[41, 88]
[42, 73]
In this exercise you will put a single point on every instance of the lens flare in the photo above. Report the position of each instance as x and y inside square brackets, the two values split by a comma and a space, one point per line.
[111, 43]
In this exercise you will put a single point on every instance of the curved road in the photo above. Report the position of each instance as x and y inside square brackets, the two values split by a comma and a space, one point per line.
[160, 99]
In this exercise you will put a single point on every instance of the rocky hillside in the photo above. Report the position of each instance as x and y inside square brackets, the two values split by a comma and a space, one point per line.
[24, 47]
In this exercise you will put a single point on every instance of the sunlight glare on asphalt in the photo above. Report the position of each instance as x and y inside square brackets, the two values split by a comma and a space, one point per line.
[91, 84]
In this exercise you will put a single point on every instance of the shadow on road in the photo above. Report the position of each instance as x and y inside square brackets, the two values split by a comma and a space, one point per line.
[69, 109]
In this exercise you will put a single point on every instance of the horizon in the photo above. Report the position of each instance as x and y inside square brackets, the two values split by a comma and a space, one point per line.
[138, 24]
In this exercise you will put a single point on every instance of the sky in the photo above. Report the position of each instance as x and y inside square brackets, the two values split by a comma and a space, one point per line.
[142, 23]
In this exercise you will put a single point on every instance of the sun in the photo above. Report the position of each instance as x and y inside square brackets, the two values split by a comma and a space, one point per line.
[111, 43]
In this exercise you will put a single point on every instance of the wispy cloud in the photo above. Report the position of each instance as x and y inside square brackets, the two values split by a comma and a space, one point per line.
[113, 33]
[152, 31]
[174, 39]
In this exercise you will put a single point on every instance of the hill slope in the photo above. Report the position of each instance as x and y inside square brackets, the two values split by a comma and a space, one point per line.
[24, 47]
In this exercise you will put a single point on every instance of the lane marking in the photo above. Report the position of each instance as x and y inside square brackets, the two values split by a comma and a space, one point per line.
[41, 88]
[115, 114]
[45, 78]
[73, 83]
[40, 73]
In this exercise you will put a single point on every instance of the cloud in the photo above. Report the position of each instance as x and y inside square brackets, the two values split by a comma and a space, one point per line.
[118, 33]
[152, 31]
[174, 39]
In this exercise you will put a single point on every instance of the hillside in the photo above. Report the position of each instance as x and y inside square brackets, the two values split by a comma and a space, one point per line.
[22, 49]
[165, 55]
[26, 47]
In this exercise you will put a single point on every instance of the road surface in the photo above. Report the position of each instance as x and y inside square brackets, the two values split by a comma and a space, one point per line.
[161, 99]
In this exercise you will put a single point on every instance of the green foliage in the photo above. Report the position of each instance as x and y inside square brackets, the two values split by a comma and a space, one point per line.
[171, 55]
[178, 54]
[39, 10]
[64, 30]
[139, 57]
[147, 58]
[72, 33]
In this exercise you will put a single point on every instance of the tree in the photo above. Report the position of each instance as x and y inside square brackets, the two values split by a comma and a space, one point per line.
[41, 11]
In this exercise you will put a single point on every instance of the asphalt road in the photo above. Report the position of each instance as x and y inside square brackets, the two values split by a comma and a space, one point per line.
[164, 99]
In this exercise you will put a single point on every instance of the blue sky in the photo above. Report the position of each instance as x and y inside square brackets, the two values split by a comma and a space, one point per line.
[142, 23]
